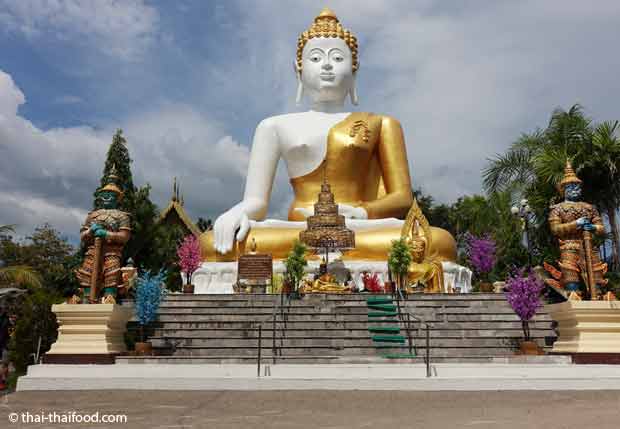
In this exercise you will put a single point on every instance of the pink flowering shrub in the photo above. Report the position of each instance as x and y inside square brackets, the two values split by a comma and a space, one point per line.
[189, 256]
[523, 295]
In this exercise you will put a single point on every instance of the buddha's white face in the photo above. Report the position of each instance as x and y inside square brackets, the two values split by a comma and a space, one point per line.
[327, 74]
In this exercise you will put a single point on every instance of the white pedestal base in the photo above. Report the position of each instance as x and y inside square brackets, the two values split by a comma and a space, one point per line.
[218, 277]
[90, 329]
[586, 326]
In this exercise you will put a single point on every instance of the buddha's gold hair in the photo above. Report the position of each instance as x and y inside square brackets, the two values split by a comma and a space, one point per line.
[327, 25]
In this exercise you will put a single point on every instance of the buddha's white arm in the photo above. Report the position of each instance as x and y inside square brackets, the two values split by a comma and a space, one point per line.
[261, 171]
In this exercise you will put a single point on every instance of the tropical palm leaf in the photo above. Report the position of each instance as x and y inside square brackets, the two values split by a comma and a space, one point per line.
[512, 168]
[20, 275]
[5, 229]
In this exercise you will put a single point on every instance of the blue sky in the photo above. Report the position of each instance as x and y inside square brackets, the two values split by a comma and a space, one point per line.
[189, 80]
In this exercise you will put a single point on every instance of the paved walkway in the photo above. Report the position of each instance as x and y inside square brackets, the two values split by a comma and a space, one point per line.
[404, 377]
[327, 409]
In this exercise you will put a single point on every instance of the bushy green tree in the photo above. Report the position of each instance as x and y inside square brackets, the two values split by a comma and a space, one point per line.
[204, 224]
[47, 253]
[399, 260]
[439, 215]
[35, 321]
[295, 264]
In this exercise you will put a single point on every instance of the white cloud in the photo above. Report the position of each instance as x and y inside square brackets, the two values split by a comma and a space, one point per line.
[50, 175]
[10, 96]
[121, 28]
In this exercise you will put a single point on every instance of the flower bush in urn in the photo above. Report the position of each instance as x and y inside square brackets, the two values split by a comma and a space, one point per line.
[189, 260]
[149, 294]
[523, 295]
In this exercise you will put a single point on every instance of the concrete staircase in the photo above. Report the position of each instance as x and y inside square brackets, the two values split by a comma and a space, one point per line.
[333, 329]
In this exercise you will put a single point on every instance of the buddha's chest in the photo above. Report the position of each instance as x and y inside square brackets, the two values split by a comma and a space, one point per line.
[306, 135]
[306, 142]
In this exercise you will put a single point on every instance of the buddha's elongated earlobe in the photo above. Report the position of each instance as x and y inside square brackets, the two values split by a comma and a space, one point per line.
[300, 93]
[300, 87]
[353, 92]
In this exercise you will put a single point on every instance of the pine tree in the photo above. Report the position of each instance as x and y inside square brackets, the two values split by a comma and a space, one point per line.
[118, 159]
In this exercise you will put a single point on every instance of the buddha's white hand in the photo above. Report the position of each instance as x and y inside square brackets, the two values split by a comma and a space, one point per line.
[304, 211]
[346, 210]
[351, 212]
[230, 225]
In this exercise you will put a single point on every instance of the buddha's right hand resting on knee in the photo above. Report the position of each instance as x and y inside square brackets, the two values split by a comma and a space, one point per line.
[234, 224]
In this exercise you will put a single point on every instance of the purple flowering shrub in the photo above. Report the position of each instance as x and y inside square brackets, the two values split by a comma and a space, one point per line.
[523, 295]
[481, 254]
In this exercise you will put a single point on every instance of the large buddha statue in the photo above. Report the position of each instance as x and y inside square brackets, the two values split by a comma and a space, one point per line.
[362, 154]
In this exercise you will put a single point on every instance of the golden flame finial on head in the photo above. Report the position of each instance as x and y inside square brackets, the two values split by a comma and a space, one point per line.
[111, 184]
[326, 14]
[326, 24]
[569, 176]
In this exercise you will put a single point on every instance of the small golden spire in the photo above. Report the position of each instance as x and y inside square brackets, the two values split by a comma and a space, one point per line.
[569, 176]
[111, 183]
[326, 13]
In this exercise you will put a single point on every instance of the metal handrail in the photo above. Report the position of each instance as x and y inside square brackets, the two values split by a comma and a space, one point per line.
[274, 348]
[426, 325]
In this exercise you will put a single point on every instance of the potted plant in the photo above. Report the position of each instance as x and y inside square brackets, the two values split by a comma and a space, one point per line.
[189, 260]
[399, 260]
[149, 294]
[523, 295]
[295, 264]
[481, 255]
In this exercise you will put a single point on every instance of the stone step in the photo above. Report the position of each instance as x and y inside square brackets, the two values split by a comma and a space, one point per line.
[319, 359]
[302, 309]
[165, 317]
[310, 352]
[340, 297]
[338, 332]
[201, 323]
[393, 329]
[292, 317]
[336, 342]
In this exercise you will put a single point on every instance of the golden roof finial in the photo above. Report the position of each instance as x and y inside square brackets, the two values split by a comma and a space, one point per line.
[326, 24]
[326, 13]
[111, 183]
[569, 176]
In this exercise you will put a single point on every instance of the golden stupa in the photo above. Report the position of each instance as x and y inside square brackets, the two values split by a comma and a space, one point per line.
[326, 228]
